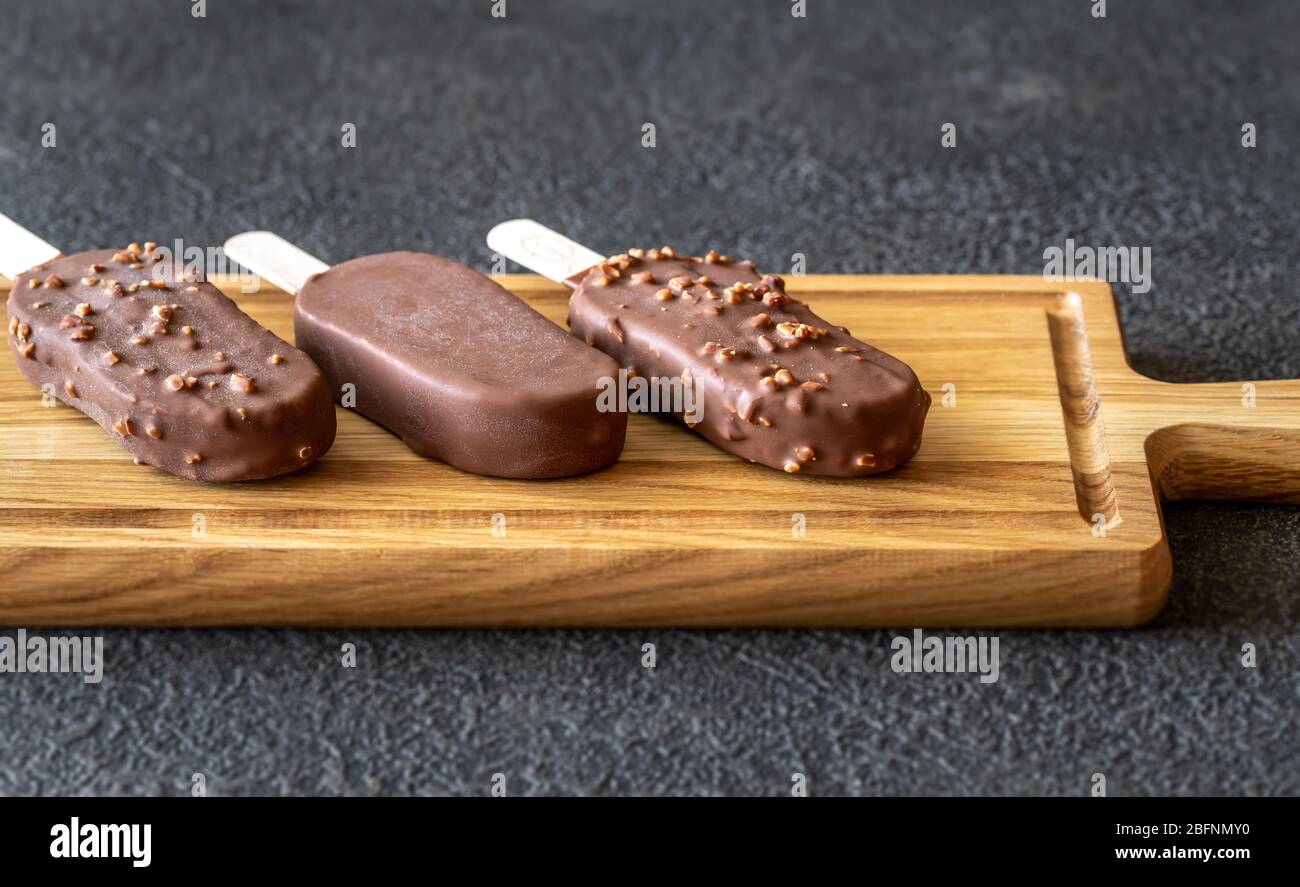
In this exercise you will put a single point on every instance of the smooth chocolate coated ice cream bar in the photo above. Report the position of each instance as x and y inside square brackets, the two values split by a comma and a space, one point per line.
[778, 385]
[169, 366]
[460, 368]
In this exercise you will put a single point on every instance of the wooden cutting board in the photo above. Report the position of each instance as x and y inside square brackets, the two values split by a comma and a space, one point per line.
[1034, 499]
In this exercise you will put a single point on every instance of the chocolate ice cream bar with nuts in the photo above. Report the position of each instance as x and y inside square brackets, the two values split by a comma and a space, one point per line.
[779, 386]
[182, 379]
[459, 367]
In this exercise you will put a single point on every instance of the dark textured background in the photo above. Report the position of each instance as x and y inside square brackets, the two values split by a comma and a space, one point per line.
[775, 135]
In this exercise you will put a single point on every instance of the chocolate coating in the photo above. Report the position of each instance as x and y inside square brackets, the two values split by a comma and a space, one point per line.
[171, 368]
[459, 367]
[779, 385]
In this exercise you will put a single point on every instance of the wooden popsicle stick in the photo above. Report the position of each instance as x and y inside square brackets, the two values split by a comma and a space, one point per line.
[275, 259]
[540, 249]
[20, 249]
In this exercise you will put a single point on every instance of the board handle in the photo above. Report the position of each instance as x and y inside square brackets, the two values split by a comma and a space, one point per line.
[1226, 440]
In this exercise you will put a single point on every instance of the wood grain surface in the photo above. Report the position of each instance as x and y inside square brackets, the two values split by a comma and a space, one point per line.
[1034, 499]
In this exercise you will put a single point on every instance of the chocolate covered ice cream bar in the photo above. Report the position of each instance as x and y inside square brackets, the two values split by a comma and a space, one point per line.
[179, 376]
[460, 368]
[778, 385]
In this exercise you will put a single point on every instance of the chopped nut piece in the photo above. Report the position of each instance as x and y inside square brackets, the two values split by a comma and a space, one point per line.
[192, 458]
[69, 388]
[805, 454]
[13, 325]
[82, 333]
[812, 386]
[240, 382]
[761, 320]
[664, 295]
[792, 467]
[162, 312]
[643, 277]
[82, 309]
[110, 358]
[276, 359]
[53, 281]
[96, 268]
[667, 252]
[139, 340]
[766, 344]
[785, 377]
[33, 283]
[800, 330]
[26, 350]
[304, 453]
[153, 431]
[866, 460]
[89, 281]
[174, 382]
